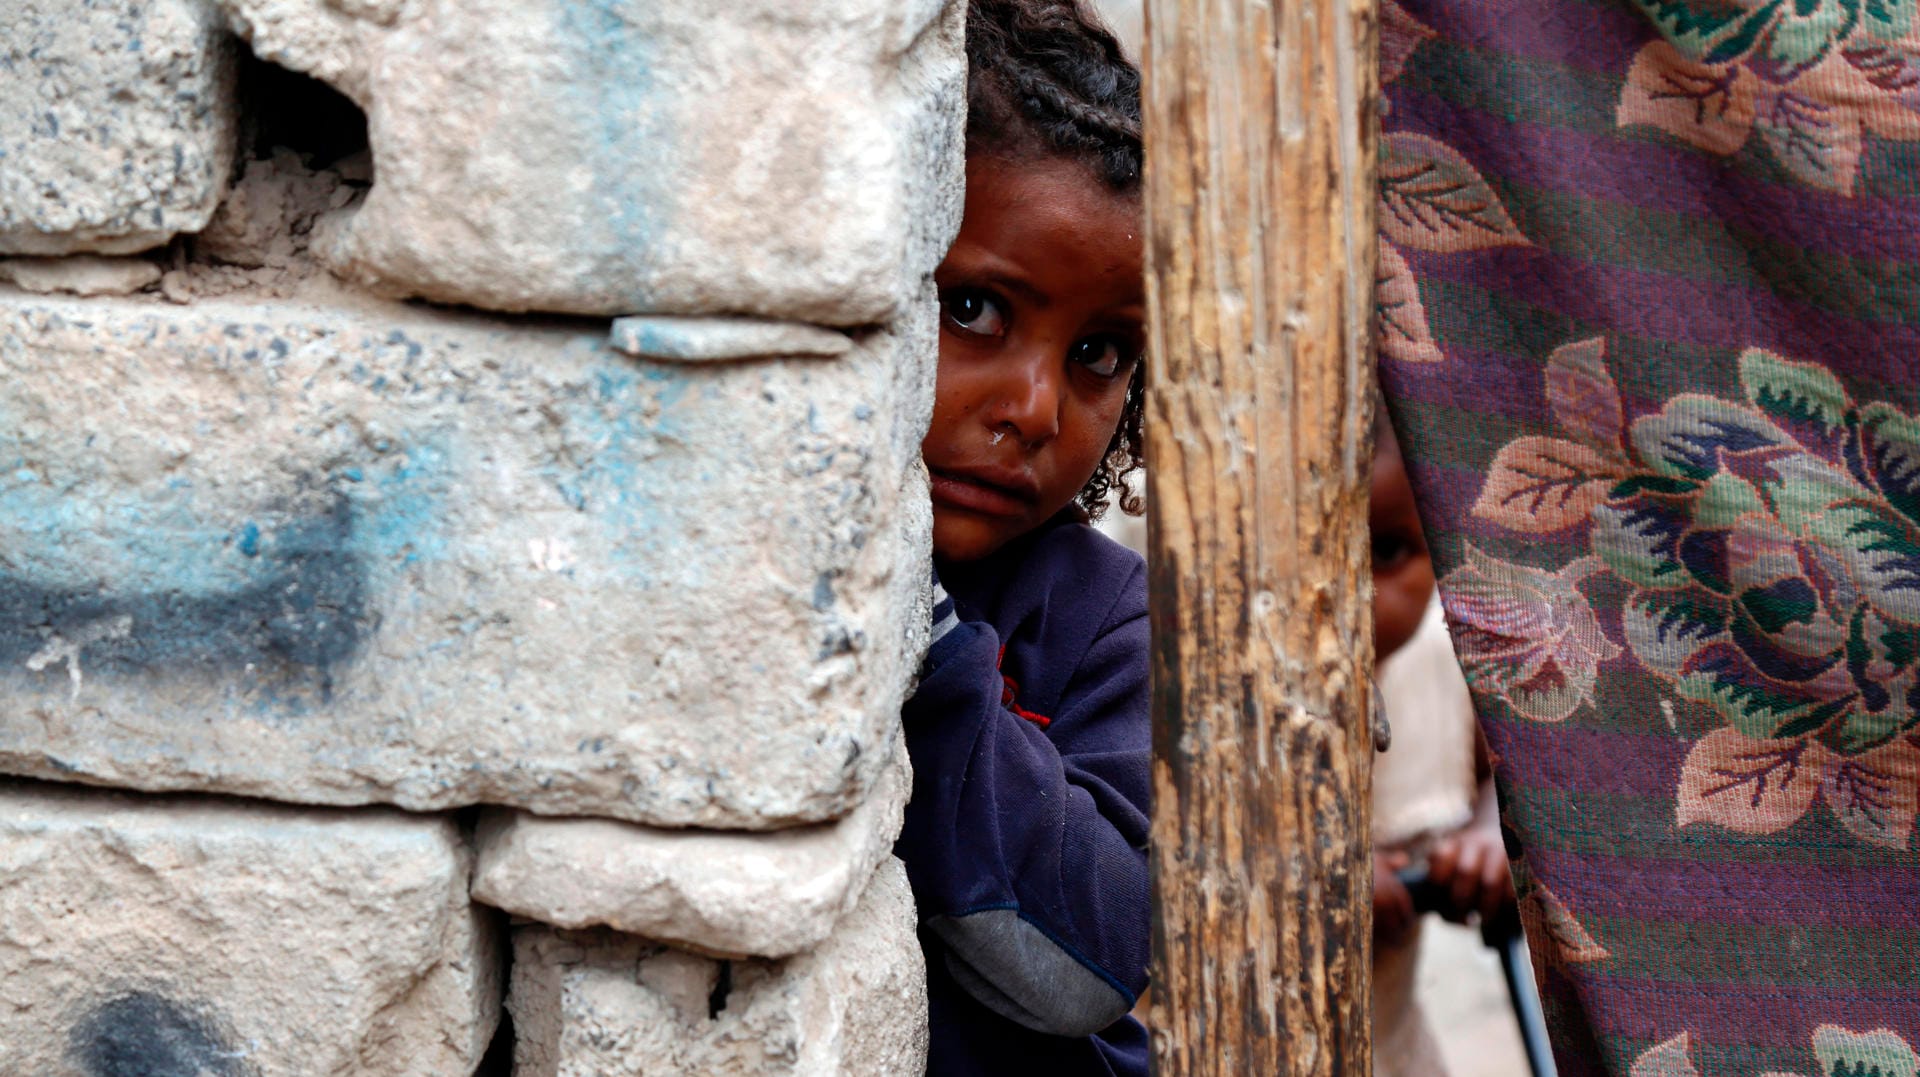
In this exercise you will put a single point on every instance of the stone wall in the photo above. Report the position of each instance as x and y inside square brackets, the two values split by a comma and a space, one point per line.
[462, 541]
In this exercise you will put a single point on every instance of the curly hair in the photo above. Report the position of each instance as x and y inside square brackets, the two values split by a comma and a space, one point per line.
[1046, 79]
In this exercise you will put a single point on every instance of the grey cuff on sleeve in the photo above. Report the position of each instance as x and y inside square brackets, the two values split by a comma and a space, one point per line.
[945, 617]
[1016, 970]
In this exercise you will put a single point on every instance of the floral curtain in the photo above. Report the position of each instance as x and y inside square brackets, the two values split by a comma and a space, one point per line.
[1649, 324]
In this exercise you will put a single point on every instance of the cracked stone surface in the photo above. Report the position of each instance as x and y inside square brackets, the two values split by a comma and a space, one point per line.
[725, 893]
[117, 123]
[601, 1004]
[756, 157]
[384, 554]
[196, 936]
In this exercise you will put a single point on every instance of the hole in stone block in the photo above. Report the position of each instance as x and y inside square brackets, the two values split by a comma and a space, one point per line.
[291, 111]
[304, 156]
[722, 987]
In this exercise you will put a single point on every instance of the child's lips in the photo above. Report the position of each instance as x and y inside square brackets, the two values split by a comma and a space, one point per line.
[975, 493]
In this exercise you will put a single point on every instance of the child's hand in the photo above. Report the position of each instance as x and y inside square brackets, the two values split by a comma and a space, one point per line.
[1471, 863]
[1393, 911]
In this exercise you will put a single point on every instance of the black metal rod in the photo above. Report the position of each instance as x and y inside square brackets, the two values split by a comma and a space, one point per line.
[1504, 936]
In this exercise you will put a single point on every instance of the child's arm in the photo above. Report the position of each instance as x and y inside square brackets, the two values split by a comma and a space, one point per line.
[1393, 911]
[1027, 849]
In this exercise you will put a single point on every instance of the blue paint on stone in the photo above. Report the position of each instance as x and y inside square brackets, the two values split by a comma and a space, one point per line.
[404, 517]
[610, 99]
[301, 614]
[69, 533]
[622, 422]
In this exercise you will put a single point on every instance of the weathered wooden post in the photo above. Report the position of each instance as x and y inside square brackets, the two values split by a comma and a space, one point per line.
[1260, 194]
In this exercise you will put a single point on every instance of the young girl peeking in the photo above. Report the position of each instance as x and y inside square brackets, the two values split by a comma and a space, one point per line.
[1433, 798]
[1026, 836]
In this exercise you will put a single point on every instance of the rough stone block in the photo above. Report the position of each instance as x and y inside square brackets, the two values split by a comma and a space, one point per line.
[79, 274]
[639, 156]
[723, 893]
[188, 936]
[600, 1004]
[117, 122]
[387, 554]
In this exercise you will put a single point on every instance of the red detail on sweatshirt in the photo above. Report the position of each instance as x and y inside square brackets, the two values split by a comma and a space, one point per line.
[1010, 693]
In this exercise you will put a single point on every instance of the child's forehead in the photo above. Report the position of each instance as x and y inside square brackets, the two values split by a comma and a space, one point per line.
[1058, 228]
[1055, 177]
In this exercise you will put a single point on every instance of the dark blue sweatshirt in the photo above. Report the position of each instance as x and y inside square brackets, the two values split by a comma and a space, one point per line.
[1026, 836]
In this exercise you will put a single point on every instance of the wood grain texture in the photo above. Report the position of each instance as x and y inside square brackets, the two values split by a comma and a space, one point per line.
[1260, 133]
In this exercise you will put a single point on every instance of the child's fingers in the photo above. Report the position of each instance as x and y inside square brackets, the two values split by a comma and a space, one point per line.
[1392, 912]
[1486, 899]
[1466, 878]
[1388, 885]
[1496, 892]
[1392, 903]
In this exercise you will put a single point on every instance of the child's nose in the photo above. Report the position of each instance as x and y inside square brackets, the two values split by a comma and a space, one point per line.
[1030, 402]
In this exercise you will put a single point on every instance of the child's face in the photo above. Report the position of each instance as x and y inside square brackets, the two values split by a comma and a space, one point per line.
[1402, 571]
[1042, 311]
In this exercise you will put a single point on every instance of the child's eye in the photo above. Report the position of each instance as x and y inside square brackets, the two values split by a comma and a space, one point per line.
[1101, 355]
[1392, 549]
[974, 311]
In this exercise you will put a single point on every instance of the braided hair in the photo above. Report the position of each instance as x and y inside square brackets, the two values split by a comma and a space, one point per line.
[1046, 79]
